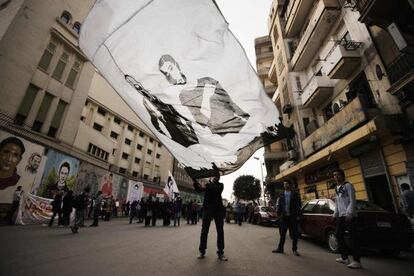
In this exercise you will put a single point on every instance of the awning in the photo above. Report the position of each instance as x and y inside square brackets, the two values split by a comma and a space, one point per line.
[348, 140]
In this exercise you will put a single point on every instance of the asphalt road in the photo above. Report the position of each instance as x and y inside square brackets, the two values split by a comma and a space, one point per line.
[117, 248]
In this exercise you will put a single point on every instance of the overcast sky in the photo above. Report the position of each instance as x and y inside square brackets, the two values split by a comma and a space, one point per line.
[247, 20]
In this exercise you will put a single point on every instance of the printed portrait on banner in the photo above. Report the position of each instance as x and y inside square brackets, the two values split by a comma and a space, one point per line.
[20, 163]
[59, 174]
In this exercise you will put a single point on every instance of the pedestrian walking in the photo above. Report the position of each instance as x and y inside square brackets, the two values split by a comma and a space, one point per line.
[345, 215]
[212, 209]
[166, 212]
[97, 209]
[238, 210]
[56, 209]
[148, 211]
[67, 207]
[177, 210]
[133, 210]
[156, 210]
[407, 200]
[17, 196]
[189, 208]
[115, 208]
[81, 203]
[288, 210]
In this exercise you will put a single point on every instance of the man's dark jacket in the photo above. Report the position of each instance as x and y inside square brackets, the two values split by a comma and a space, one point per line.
[295, 204]
[212, 195]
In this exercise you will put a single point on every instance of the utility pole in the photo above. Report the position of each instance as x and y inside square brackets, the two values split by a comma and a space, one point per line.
[261, 181]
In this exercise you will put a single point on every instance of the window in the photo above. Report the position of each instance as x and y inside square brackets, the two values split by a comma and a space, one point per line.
[86, 102]
[57, 119]
[114, 135]
[66, 17]
[47, 56]
[73, 73]
[97, 126]
[125, 156]
[159, 145]
[149, 151]
[130, 128]
[134, 174]
[151, 140]
[43, 110]
[113, 151]
[76, 27]
[141, 134]
[139, 147]
[101, 111]
[146, 176]
[137, 160]
[26, 105]
[98, 152]
[308, 207]
[158, 156]
[122, 170]
[128, 141]
[83, 118]
[61, 65]
[117, 120]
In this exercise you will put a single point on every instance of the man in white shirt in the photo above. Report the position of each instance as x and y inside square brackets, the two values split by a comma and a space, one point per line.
[345, 215]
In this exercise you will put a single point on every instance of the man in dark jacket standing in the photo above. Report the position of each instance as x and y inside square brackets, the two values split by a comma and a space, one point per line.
[288, 209]
[212, 209]
[81, 204]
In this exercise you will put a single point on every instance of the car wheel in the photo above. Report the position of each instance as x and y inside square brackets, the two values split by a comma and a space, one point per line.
[255, 220]
[390, 252]
[259, 221]
[332, 241]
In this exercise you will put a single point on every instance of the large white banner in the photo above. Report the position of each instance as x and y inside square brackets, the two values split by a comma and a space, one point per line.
[135, 191]
[34, 210]
[171, 187]
[179, 67]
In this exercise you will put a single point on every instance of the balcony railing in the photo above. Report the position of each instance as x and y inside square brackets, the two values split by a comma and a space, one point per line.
[342, 60]
[352, 115]
[400, 67]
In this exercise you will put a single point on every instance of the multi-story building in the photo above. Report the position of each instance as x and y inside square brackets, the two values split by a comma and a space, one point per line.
[333, 91]
[44, 77]
[390, 25]
[274, 154]
[53, 97]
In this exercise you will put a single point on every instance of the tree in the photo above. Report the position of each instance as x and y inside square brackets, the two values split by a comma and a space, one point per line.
[247, 187]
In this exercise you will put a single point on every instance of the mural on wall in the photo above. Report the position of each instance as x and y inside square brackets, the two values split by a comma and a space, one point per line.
[59, 174]
[20, 164]
[89, 176]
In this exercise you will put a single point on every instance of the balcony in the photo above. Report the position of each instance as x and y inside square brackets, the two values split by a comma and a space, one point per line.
[275, 156]
[375, 11]
[320, 23]
[352, 115]
[343, 60]
[316, 91]
[296, 16]
[272, 74]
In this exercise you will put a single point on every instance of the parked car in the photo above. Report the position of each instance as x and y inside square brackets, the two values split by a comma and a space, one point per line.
[265, 215]
[377, 228]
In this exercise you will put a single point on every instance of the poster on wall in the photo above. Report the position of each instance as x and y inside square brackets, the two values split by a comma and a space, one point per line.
[20, 164]
[114, 185]
[89, 176]
[135, 191]
[59, 174]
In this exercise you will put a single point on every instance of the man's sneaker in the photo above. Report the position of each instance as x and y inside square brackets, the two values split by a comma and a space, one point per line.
[342, 261]
[355, 265]
[296, 253]
[277, 251]
[201, 256]
[222, 258]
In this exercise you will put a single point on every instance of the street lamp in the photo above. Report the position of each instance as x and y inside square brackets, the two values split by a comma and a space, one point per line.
[262, 182]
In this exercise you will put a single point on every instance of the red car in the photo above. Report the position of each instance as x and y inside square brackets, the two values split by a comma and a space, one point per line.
[265, 215]
[377, 228]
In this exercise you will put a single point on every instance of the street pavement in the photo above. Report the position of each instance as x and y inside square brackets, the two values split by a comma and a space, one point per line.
[118, 248]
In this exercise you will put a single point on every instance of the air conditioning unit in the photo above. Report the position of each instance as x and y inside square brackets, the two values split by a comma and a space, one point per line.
[337, 106]
[292, 155]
